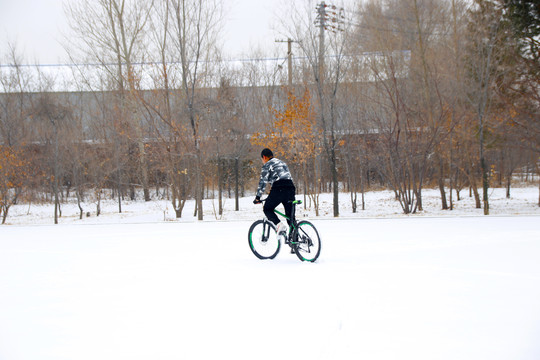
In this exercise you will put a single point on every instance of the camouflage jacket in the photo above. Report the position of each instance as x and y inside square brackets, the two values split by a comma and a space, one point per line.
[274, 170]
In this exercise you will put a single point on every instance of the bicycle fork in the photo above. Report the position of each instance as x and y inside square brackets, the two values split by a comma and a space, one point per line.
[266, 230]
[288, 239]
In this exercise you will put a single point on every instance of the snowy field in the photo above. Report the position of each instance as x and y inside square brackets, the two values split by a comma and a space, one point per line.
[524, 201]
[141, 285]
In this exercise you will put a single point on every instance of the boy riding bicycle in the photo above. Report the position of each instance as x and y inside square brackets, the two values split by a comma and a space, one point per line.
[276, 173]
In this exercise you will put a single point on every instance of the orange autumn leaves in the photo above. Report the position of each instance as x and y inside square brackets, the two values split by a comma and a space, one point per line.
[12, 168]
[292, 134]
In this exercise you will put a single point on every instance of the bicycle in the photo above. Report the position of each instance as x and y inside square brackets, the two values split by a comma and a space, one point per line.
[303, 238]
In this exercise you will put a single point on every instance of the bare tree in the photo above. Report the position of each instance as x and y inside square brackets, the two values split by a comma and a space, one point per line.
[54, 119]
[403, 146]
[15, 110]
[194, 31]
[486, 43]
[322, 37]
[112, 32]
[164, 104]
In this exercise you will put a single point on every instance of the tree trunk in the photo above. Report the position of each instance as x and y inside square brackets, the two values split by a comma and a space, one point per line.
[508, 183]
[56, 173]
[485, 185]
[236, 195]
[335, 184]
[474, 189]
[220, 188]
[441, 185]
[200, 187]
[81, 211]
[362, 190]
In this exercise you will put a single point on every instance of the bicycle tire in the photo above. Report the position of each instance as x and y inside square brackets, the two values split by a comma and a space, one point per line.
[264, 246]
[307, 242]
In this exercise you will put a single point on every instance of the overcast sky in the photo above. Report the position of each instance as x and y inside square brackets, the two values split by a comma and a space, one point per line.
[36, 27]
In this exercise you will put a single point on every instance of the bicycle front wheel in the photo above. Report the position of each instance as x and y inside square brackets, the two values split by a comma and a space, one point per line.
[263, 240]
[307, 245]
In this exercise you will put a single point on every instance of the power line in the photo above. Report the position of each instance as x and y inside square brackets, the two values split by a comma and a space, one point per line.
[143, 63]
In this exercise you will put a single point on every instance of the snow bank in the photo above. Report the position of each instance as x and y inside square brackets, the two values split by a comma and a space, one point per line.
[524, 201]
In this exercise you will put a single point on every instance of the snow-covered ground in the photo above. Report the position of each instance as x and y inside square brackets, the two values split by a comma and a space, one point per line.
[438, 285]
[523, 201]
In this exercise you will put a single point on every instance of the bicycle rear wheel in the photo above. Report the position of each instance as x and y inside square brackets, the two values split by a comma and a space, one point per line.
[307, 245]
[263, 240]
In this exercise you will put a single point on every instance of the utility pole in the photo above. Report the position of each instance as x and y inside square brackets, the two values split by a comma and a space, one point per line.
[289, 42]
[329, 17]
[321, 22]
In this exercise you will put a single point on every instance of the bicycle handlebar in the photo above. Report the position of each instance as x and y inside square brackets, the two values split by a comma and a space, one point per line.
[294, 202]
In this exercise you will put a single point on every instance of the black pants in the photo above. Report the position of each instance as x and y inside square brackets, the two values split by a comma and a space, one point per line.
[279, 195]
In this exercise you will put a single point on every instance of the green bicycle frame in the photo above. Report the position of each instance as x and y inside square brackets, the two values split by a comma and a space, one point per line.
[293, 223]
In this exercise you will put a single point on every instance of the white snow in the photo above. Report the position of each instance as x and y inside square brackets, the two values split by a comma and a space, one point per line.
[437, 285]
[523, 201]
